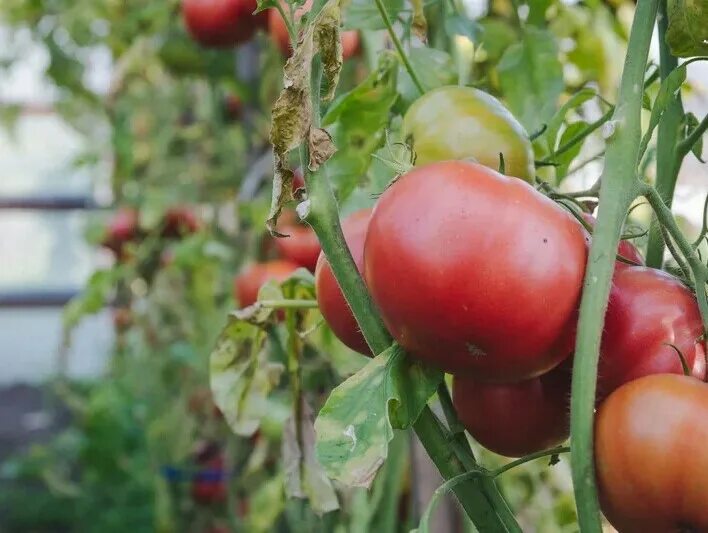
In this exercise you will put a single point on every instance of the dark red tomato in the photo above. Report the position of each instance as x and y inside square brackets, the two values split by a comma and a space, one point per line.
[516, 419]
[334, 307]
[222, 23]
[625, 249]
[279, 31]
[651, 456]
[180, 221]
[302, 247]
[648, 310]
[250, 280]
[475, 272]
[233, 106]
[122, 228]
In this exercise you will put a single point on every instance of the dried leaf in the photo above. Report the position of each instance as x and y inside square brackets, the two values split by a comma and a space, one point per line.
[321, 147]
[418, 23]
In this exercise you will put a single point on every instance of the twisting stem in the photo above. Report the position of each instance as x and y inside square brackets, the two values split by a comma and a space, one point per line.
[667, 162]
[683, 267]
[618, 188]
[698, 269]
[531, 457]
[399, 47]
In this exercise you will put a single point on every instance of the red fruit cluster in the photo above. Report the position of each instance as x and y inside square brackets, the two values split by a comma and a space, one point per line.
[481, 275]
[222, 23]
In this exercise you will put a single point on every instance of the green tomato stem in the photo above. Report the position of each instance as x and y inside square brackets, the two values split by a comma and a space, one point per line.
[698, 269]
[399, 47]
[618, 188]
[288, 304]
[667, 162]
[531, 457]
[323, 216]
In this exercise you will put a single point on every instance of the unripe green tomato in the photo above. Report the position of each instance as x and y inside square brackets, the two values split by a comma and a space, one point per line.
[461, 123]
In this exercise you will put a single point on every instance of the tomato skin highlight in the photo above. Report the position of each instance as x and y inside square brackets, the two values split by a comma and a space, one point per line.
[462, 123]
[222, 23]
[302, 247]
[648, 309]
[251, 279]
[651, 457]
[475, 272]
[516, 419]
[331, 301]
[279, 31]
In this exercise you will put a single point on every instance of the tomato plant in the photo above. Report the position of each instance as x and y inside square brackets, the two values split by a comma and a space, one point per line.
[466, 123]
[330, 299]
[651, 461]
[436, 236]
[222, 23]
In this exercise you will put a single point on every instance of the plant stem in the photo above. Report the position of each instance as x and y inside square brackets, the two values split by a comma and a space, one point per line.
[399, 47]
[618, 188]
[698, 269]
[579, 137]
[685, 146]
[287, 18]
[531, 457]
[323, 216]
[667, 164]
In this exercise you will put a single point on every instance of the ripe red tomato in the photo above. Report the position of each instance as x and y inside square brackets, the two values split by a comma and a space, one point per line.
[648, 310]
[179, 221]
[475, 272]
[233, 106]
[222, 23]
[250, 280]
[279, 31]
[515, 419]
[302, 247]
[334, 307]
[651, 455]
[122, 228]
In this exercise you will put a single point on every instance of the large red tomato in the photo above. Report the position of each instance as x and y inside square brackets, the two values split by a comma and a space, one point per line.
[516, 419]
[222, 23]
[209, 484]
[279, 31]
[330, 299]
[651, 455]
[648, 311]
[474, 271]
[249, 281]
[302, 247]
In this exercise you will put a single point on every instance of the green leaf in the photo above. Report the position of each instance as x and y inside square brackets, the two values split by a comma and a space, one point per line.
[356, 423]
[435, 68]
[93, 298]
[554, 125]
[531, 78]
[304, 476]
[357, 120]
[668, 91]
[267, 504]
[241, 376]
[364, 15]
[459, 25]
[690, 123]
[566, 158]
[497, 36]
[687, 34]
[537, 11]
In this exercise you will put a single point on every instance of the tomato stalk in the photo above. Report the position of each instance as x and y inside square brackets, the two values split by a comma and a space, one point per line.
[399, 47]
[667, 165]
[321, 213]
[619, 186]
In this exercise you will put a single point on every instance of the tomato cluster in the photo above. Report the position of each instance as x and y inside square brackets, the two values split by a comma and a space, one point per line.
[481, 275]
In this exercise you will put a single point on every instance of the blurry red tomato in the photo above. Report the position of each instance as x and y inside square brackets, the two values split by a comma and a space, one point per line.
[302, 247]
[334, 307]
[250, 280]
[222, 23]
[122, 228]
[180, 221]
